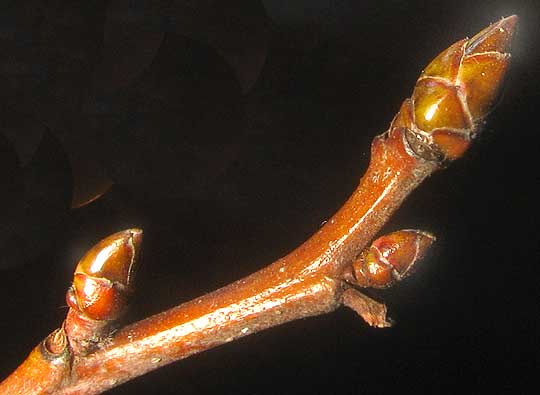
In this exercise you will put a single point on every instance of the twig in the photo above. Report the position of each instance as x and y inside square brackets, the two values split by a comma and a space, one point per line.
[451, 98]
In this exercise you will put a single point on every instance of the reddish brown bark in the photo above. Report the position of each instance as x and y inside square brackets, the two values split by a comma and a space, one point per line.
[304, 283]
[451, 98]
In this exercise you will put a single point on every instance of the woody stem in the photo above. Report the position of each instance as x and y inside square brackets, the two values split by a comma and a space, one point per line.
[304, 283]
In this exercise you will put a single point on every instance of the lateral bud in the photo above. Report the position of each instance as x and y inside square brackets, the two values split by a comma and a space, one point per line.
[389, 259]
[44, 370]
[103, 280]
[102, 286]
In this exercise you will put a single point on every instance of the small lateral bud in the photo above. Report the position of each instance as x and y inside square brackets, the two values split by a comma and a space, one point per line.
[54, 345]
[103, 279]
[390, 258]
[102, 286]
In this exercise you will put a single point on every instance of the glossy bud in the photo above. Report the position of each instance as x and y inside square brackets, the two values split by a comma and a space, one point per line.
[390, 258]
[103, 279]
[455, 92]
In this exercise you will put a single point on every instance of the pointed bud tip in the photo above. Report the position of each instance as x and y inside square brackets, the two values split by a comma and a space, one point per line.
[496, 37]
[135, 233]
[507, 28]
[402, 249]
[427, 237]
[113, 257]
[510, 22]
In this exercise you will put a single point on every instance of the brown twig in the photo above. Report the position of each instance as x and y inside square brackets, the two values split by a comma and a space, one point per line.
[450, 100]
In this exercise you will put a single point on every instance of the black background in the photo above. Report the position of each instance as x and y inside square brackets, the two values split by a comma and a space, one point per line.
[231, 132]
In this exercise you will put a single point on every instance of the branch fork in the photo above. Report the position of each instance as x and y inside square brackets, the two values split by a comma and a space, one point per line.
[87, 355]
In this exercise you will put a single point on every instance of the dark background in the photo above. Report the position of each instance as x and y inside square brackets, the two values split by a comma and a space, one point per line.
[231, 131]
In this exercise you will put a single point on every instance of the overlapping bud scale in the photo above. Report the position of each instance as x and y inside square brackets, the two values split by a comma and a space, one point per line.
[390, 258]
[455, 93]
[103, 279]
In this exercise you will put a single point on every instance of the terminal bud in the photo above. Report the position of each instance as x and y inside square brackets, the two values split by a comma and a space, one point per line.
[456, 92]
